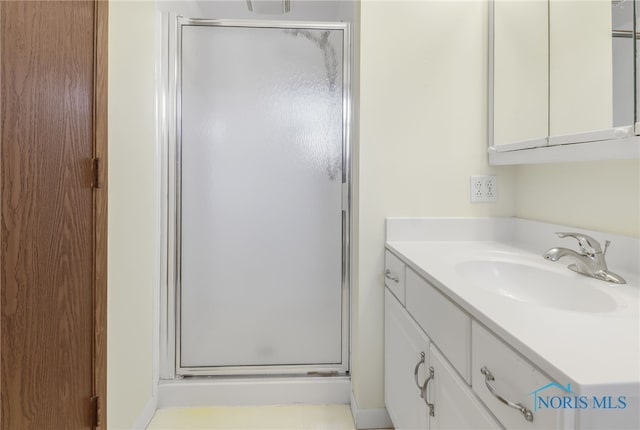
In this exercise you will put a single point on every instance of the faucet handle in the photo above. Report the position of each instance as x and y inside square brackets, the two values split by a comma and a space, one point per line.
[606, 246]
[588, 245]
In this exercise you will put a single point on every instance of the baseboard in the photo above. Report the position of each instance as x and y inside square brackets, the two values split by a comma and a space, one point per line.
[194, 392]
[146, 415]
[370, 418]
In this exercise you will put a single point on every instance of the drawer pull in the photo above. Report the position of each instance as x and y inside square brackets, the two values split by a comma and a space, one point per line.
[422, 387]
[390, 275]
[488, 377]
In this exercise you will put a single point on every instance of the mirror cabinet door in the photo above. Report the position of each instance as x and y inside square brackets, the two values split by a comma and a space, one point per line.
[580, 58]
[520, 67]
[564, 72]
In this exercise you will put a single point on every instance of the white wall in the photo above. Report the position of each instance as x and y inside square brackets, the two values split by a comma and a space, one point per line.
[423, 126]
[599, 195]
[133, 211]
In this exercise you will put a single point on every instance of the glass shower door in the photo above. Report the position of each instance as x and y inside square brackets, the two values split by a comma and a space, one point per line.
[261, 142]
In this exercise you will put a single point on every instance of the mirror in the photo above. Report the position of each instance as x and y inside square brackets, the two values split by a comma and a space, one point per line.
[580, 66]
[563, 72]
[521, 73]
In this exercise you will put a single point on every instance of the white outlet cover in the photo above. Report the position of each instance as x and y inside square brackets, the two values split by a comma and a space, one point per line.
[483, 188]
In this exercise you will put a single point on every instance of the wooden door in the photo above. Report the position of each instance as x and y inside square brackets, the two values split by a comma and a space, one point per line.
[51, 240]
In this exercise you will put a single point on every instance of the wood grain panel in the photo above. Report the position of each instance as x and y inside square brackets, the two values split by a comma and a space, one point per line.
[47, 233]
[100, 151]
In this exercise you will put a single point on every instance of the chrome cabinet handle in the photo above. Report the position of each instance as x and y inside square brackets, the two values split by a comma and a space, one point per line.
[488, 377]
[390, 275]
[415, 375]
[423, 387]
[431, 406]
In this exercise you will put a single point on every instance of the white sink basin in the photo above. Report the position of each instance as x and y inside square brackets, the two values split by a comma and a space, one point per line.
[533, 283]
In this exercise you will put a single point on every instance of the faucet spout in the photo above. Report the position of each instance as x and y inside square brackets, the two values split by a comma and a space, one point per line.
[555, 254]
[582, 263]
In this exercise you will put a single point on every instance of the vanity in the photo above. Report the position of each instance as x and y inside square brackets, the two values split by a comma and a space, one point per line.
[482, 332]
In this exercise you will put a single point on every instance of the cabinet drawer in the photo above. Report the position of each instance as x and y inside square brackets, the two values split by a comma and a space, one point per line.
[445, 324]
[394, 270]
[514, 379]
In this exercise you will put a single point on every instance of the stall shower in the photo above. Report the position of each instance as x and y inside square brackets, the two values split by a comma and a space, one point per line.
[261, 197]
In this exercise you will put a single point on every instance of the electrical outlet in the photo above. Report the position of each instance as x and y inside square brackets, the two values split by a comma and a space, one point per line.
[491, 189]
[483, 189]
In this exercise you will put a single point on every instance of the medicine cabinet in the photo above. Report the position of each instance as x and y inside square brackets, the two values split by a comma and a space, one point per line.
[563, 80]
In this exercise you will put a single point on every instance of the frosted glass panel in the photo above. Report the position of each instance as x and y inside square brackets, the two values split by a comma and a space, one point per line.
[261, 196]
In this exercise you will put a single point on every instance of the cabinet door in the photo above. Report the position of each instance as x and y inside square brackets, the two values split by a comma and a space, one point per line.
[580, 67]
[404, 346]
[455, 406]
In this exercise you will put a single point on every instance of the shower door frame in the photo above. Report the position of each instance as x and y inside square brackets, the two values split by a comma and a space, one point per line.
[170, 135]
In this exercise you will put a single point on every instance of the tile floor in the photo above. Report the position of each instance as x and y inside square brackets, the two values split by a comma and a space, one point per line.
[286, 417]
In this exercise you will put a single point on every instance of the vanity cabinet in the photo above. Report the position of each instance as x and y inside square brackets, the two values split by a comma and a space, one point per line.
[514, 341]
[430, 341]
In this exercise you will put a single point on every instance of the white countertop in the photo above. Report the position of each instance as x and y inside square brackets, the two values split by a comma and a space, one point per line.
[589, 349]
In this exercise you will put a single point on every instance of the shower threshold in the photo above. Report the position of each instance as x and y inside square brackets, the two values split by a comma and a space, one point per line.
[193, 391]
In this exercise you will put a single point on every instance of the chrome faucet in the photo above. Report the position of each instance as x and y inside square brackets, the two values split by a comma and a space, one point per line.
[589, 261]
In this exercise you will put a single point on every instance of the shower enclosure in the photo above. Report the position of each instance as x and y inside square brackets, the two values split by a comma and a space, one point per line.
[259, 198]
